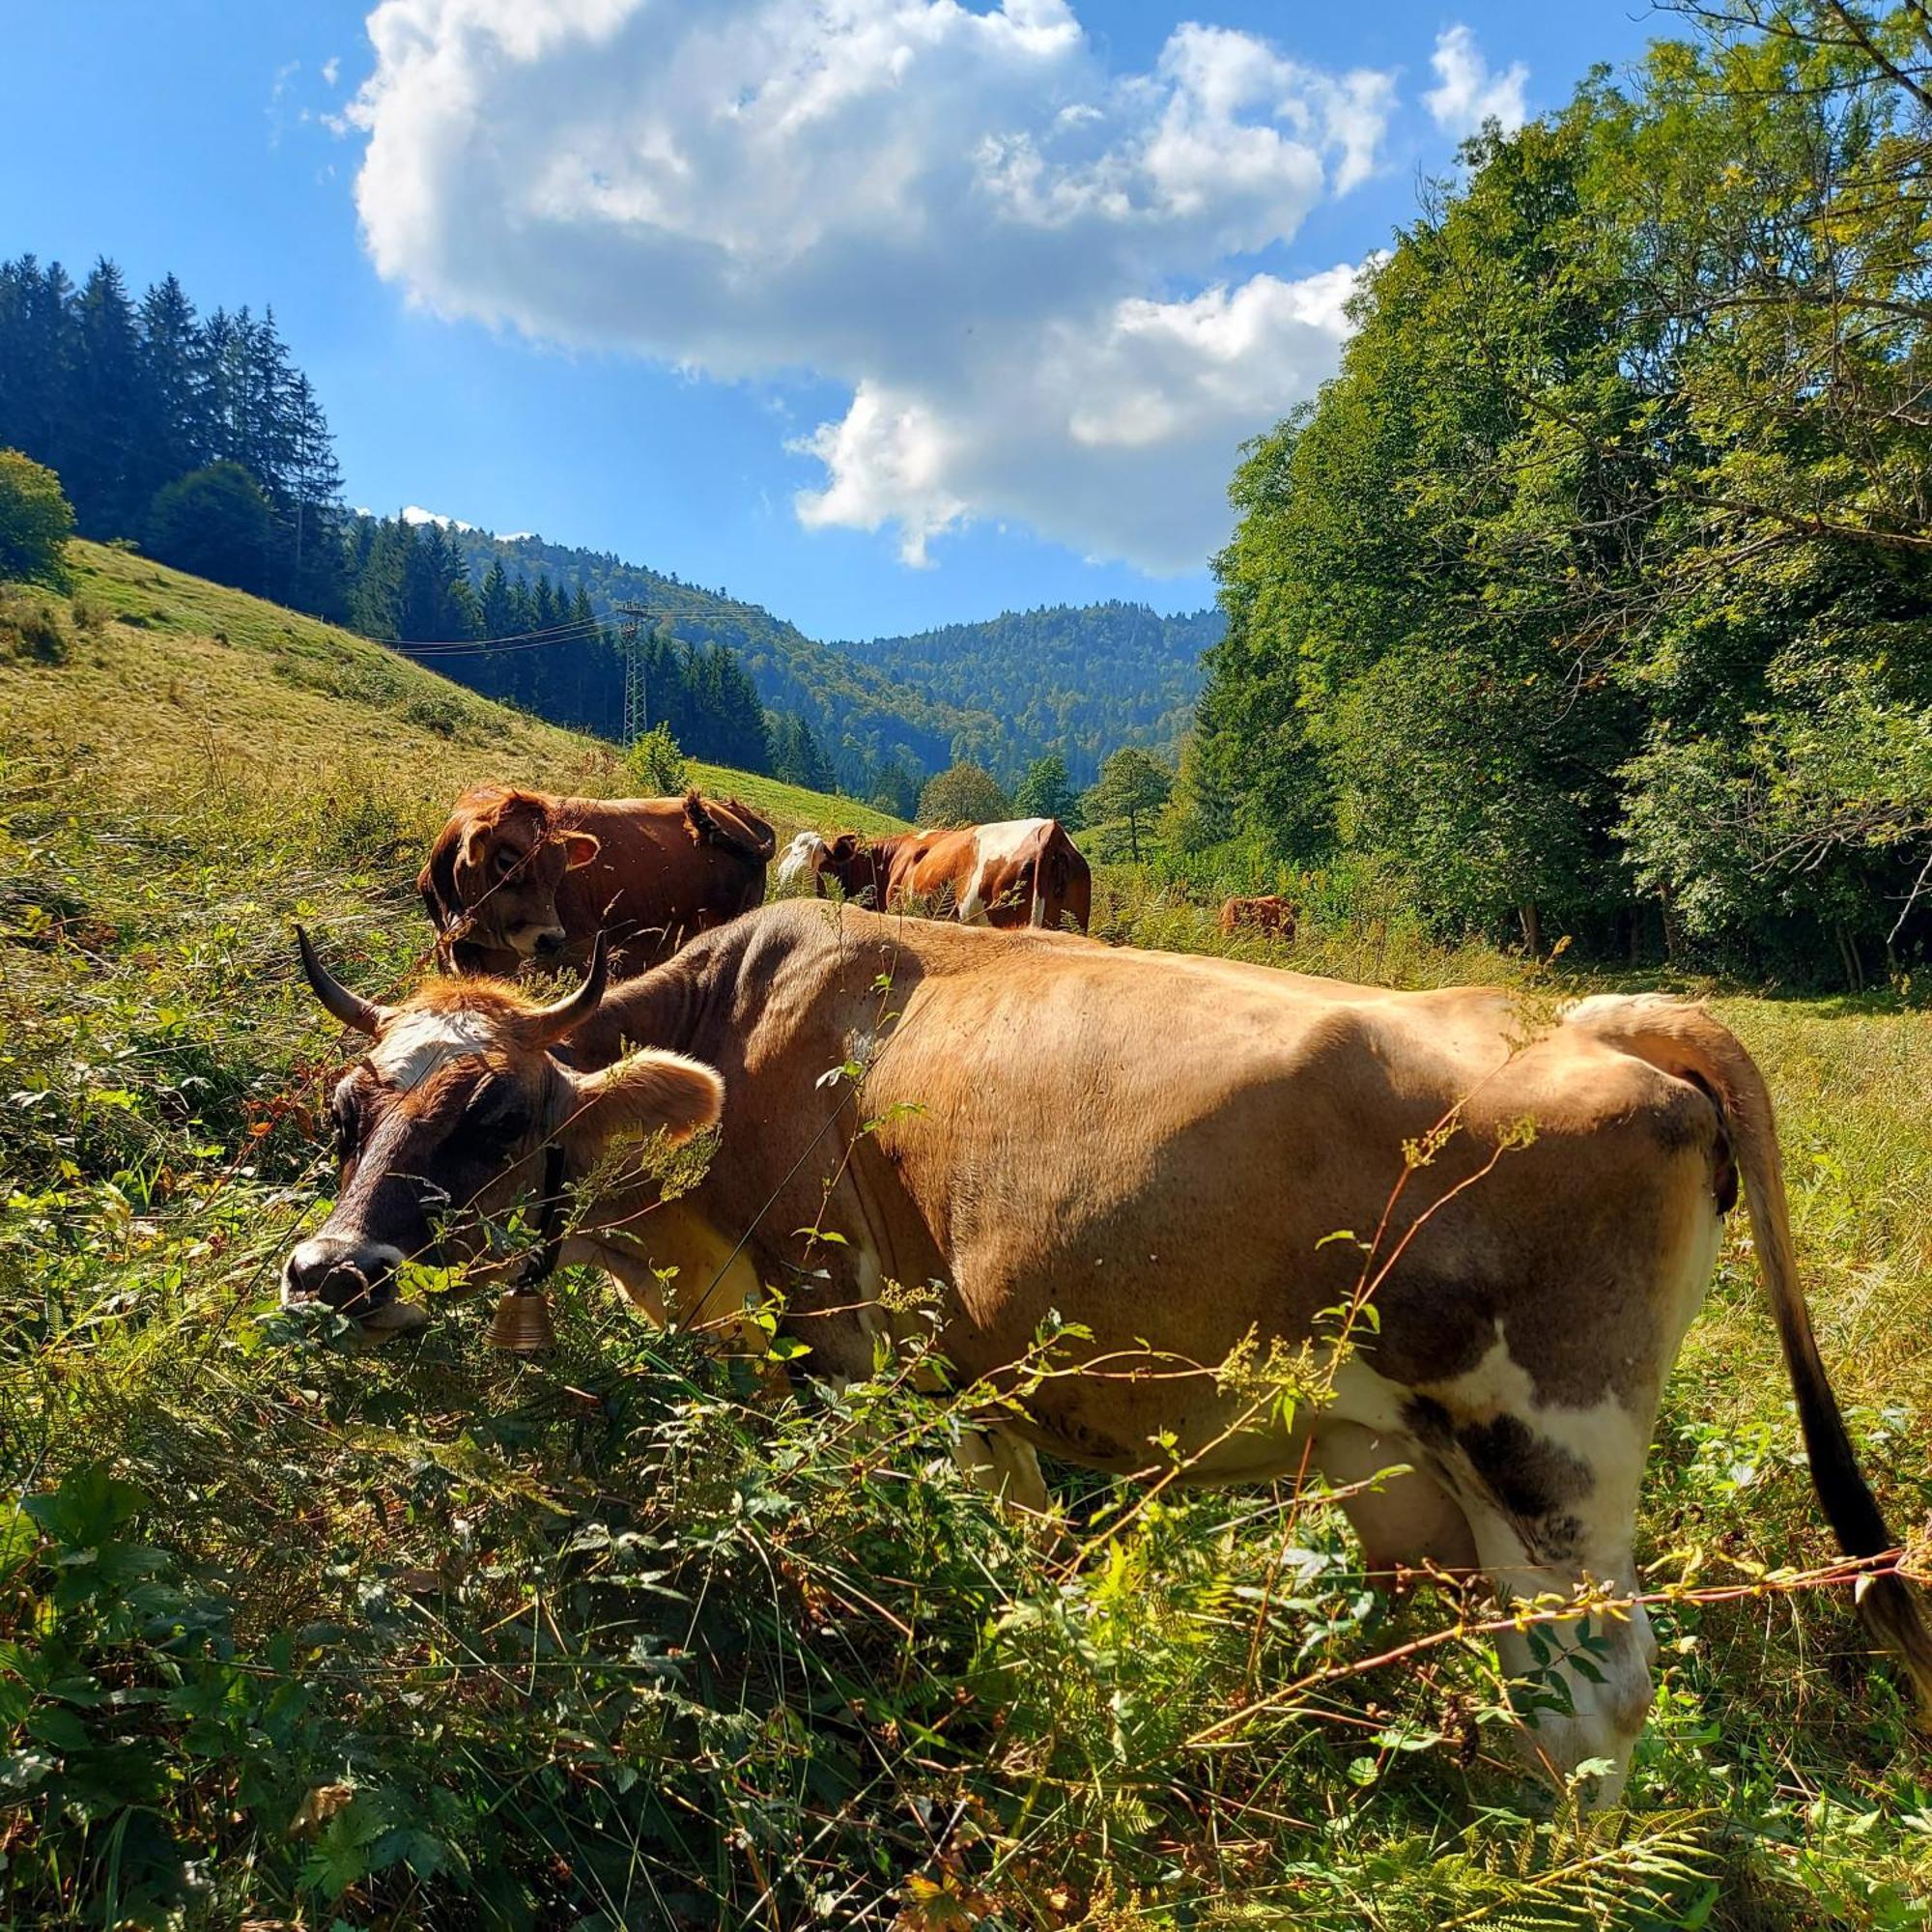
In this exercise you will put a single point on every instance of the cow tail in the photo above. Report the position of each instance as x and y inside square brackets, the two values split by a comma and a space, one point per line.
[1684, 1040]
[706, 830]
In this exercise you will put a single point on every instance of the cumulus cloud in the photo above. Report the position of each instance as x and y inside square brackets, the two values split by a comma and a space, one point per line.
[1467, 92]
[1032, 272]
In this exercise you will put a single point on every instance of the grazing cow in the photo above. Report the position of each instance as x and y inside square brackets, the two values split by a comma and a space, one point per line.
[1023, 872]
[519, 876]
[1270, 915]
[1162, 1150]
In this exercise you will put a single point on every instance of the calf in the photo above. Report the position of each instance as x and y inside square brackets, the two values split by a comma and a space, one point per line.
[517, 877]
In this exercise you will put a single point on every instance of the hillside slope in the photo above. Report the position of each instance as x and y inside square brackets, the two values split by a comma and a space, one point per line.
[172, 680]
[1082, 679]
[860, 710]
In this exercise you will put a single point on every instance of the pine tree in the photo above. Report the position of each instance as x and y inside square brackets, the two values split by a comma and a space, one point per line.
[174, 430]
[103, 406]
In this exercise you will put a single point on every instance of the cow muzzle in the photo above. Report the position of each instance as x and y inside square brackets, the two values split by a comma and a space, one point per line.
[355, 1278]
[548, 942]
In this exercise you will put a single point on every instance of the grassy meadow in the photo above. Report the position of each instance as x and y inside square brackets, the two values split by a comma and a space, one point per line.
[294, 1634]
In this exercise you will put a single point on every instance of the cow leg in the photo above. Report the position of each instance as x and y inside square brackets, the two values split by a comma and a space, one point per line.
[999, 1462]
[1586, 1686]
[1403, 1521]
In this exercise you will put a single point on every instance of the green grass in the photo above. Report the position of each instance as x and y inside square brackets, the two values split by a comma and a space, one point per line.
[612, 1639]
[169, 683]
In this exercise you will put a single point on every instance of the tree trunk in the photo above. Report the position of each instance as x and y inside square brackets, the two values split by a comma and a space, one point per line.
[1532, 929]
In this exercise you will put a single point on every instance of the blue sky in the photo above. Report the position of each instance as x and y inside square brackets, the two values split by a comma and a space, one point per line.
[884, 315]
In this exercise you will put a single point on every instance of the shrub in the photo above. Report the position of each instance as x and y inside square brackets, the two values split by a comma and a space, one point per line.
[656, 765]
[33, 627]
[214, 522]
[35, 520]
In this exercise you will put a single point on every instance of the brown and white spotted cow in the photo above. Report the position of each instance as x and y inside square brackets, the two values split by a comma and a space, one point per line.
[519, 877]
[1021, 871]
[1160, 1149]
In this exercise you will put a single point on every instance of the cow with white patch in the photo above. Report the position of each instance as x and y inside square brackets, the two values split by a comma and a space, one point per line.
[1020, 871]
[1162, 1150]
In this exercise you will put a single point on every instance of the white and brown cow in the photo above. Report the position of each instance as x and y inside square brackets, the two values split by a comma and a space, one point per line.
[1162, 1150]
[1020, 871]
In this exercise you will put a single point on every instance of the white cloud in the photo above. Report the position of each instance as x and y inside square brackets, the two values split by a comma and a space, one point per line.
[1468, 92]
[414, 512]
[332, 71]
[1031, 271]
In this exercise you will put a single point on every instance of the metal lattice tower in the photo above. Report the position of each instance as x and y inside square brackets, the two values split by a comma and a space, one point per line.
[637, 707]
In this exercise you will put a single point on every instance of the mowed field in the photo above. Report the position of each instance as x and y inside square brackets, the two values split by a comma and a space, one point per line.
[294, 1634]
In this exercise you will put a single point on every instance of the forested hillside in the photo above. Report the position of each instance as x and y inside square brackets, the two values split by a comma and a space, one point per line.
[865, 720]
[1080, 679]
[1593, 596]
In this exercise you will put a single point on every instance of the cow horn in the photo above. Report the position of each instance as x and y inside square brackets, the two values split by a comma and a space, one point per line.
[350, 1009]
[553, 1022]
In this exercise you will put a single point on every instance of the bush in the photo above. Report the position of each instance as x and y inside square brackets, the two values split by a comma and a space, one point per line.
[35, 520]
[213, 523]
[655, 766]
[33, 627]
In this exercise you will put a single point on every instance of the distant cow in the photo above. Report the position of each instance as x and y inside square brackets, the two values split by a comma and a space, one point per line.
[520, 876]
[1023, 872]
[1160, 1150]
[1270, 915]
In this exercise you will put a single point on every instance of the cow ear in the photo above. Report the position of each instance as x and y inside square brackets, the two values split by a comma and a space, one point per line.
[474, 843]
[648, 1093]
[579, 848]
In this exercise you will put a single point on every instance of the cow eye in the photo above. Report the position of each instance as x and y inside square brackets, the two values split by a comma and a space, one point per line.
[506, 862]
[500, 1110]
[347, 1123]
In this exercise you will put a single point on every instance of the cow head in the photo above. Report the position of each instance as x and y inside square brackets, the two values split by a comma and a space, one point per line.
[493, 874]
[449, 1118]
[805, 854]
[846, 860]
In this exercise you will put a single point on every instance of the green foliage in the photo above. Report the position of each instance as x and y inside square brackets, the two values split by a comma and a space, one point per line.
[1591, 590]
[1123, 805]
[963, 794]
[36, 520]
[655, 766]
[1047, 793]
[213, 523]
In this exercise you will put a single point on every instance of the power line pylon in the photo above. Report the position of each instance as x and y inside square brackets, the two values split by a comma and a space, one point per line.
[637, 707]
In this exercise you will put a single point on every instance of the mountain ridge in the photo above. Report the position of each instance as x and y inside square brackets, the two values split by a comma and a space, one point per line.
[1001, 690]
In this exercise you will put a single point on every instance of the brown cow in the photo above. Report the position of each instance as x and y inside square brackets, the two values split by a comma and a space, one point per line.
[1162, 1150]
[1270, 915]
[520, 876]
[1021, 871]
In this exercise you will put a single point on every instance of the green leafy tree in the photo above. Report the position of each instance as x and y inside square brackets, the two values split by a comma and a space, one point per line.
[1047, 793]
[35, 520]
[655, 766]
[963, 794]
[215, 522]
[1132, 788]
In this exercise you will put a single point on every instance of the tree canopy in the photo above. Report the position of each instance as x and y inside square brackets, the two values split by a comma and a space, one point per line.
[1593, 589]
[35, 520]
[963, 794]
